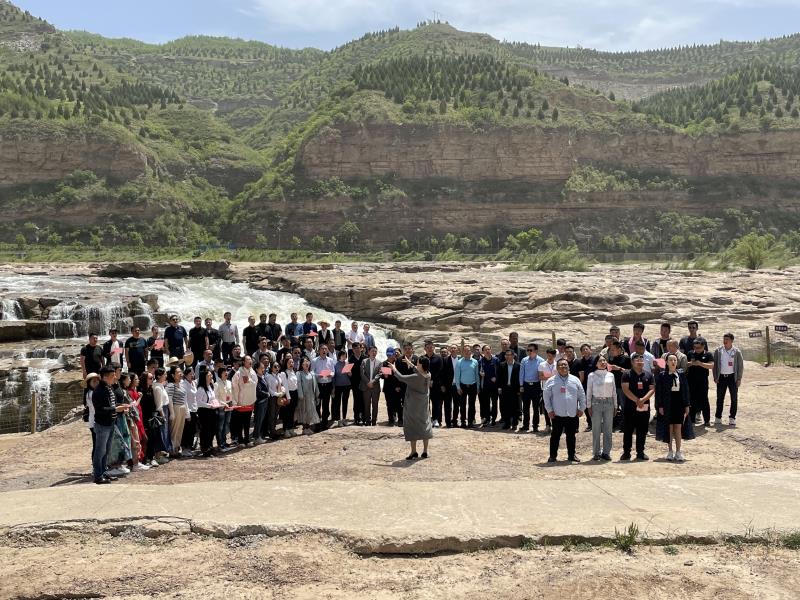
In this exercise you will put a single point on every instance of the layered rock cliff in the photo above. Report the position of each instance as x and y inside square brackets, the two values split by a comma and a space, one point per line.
[45, 156]
[541, 155]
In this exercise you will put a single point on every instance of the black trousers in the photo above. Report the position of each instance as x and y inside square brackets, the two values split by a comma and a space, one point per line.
[325, 392]
[634, 420]
[226, 348]
[449, 405]
[287, 412]
[269, 426]
[207, 417]
[698, 394]
[340, 397]
[189, 431]
[437, 399]
[394, 403]
[358, 403]
[488, 402]
[568, 426]
[727, 382]
[466, 402]
[240, 426]
[531, 397]
[509, 404]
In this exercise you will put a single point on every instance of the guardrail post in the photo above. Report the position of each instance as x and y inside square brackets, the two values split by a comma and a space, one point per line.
[769, 347]
[33, 412]
[554, 339]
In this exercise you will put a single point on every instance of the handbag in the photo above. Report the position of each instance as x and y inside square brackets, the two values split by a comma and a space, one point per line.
[155, 422]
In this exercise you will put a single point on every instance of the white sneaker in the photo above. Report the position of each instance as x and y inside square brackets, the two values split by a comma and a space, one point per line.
[117, 472]
[732, 422]
[333, 425]
[154, 463]
[140, 467]
[124, 469]
[679, 457]
[670, 455]
[435, 423]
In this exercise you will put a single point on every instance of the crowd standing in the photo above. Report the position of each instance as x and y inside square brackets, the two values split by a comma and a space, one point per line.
[206, 391]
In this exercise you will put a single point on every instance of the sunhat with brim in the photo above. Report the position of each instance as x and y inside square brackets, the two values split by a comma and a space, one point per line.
[91, 376]
[173, 361]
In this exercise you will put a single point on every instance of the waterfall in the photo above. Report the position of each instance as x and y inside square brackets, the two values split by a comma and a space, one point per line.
[31, 373]
[86, 318]
[10, 310]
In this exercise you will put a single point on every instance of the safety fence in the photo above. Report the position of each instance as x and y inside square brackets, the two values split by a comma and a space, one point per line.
[35, 411]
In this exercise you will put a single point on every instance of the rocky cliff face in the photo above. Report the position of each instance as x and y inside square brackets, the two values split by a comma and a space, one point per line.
[541, 155]
[39, 159]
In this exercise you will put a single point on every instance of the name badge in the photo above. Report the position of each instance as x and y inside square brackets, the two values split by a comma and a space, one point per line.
[730, 363]
[563, 390]
[640, 386]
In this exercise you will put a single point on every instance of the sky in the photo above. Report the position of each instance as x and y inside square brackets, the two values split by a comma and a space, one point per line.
[602, 24]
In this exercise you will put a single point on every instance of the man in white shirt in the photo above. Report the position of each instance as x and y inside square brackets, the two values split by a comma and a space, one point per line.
[244, 398]
[229, 337]
[354, 335]
[370, 386]
[728, 370]
[323, 367]
[548, 368]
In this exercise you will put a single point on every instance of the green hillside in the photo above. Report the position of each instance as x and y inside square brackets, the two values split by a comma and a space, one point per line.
[222, 121]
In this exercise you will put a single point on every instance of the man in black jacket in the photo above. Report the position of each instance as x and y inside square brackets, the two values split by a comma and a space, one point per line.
[435, 369]
[447, 377]
[105, 416]
[508, 390]
[392, 390]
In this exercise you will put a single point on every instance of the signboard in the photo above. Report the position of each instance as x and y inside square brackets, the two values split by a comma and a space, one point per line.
[783, 328]
[755, 334]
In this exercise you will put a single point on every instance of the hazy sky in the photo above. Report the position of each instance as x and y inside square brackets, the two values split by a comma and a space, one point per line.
[602, 24]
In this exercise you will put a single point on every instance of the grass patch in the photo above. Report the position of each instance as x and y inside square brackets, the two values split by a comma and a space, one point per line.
[626, 540]
[790, 540]
[529, 544]
[670, 550]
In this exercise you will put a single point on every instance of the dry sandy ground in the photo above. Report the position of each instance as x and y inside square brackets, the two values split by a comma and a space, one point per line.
[93, 564]
[765, 439]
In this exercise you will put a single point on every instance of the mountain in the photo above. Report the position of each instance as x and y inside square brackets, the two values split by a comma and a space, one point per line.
[400, 137]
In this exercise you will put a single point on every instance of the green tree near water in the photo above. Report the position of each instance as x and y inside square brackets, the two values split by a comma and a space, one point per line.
[753, 251]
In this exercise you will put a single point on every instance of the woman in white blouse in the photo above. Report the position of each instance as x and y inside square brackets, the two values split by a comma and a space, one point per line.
[223, 390]
[601, 402]
[161, 399]
[288, 377]
[190, 427]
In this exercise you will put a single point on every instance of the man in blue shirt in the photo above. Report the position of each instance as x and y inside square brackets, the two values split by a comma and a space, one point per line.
[530, 388]
[564, 401]
[467, 381]
[177, 337]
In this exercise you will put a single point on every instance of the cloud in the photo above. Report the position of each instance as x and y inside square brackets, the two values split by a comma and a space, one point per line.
[603, 24]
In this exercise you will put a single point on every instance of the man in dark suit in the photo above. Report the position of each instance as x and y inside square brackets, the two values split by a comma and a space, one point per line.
[447, 377]
[435, 369]
[508, 382]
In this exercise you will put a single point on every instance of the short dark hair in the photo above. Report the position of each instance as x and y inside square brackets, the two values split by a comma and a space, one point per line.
[639, 343]
[428, 343]
[569, 347]
[561, 342]
[551, 351]
[107, 370]
[93, 334]
[408, 345]
[533, 346]
[729, 336]
[341, 353]
[564, 360]
[197, 319]
[617, 344]
[693, 322]
[638, 325]
[667, 325]
[585, 346]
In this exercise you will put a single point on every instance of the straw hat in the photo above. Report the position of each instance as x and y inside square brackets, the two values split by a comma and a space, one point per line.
[91, 376]
[172, 362]
[188, 358]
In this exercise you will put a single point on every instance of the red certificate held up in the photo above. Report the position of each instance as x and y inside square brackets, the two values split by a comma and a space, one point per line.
[325, 373]
[386, 370]
[158, 345]
[116, 350]
[660, 363]
[348, 368]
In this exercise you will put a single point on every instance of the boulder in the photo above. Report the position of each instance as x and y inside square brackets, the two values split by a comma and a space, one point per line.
[151, 300]
[12, 331]
[143, 322]
[192, 268]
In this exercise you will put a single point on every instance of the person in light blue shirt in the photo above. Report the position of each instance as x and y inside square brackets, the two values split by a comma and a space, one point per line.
[530, 388]
[648, 357]
[564, 401]
[467, 383]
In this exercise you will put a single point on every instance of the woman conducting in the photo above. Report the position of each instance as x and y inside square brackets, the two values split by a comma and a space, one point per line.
[416, 418]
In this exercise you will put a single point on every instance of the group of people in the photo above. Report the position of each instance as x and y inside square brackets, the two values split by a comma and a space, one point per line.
[206, 390]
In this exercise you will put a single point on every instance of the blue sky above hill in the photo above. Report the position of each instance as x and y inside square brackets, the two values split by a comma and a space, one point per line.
[601, 24]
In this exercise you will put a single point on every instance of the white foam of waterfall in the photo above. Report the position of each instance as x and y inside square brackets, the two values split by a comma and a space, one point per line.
[10, 310]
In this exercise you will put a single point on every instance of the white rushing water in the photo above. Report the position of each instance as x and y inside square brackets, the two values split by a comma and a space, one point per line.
[10, 310]
[212, 297]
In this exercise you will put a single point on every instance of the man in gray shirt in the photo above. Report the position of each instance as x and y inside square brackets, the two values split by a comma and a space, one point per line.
[564, 401]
